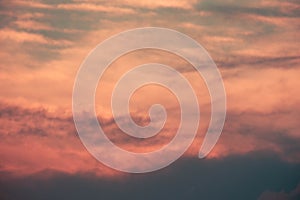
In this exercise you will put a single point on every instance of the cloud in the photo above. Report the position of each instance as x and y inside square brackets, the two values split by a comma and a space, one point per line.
[96, 8]
[250, 131]
[85, 7]
[51, 135]
[266, 62]
[21, 36]
[249, 176]
[147, 4]
[282, 195]
[256, 46]
[263, 8]
[28, 24]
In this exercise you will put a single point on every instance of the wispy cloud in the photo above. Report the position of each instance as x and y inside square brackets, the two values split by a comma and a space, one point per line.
[254, 43]
[21, 37]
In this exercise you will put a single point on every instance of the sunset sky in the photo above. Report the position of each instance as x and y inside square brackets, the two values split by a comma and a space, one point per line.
[255, 45]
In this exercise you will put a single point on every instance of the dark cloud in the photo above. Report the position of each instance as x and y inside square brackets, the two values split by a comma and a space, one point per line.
[36, 121]
[57, 1]
[277, 130]
[282, 195]
[265, 62]
[245, 7]
[72, 25]
[237, 61]
[234, 177]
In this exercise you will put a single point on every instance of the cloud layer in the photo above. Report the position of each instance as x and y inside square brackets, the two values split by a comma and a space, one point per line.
[255, 44]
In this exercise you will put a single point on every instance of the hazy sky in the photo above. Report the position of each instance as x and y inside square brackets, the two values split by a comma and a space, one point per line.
[255, 44]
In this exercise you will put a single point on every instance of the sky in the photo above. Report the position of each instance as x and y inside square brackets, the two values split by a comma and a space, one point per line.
[255, 45]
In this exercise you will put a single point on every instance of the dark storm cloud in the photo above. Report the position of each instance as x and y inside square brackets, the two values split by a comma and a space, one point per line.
[249, 176]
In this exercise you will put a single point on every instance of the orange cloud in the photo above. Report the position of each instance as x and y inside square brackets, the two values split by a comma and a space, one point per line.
[96, 8]
[258, 56]
[9, 34]
[22, 36]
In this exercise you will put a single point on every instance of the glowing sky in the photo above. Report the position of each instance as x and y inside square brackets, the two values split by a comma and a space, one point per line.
[255, 44]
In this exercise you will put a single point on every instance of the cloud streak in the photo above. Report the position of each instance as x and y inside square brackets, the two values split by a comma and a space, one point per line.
[255, 45]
